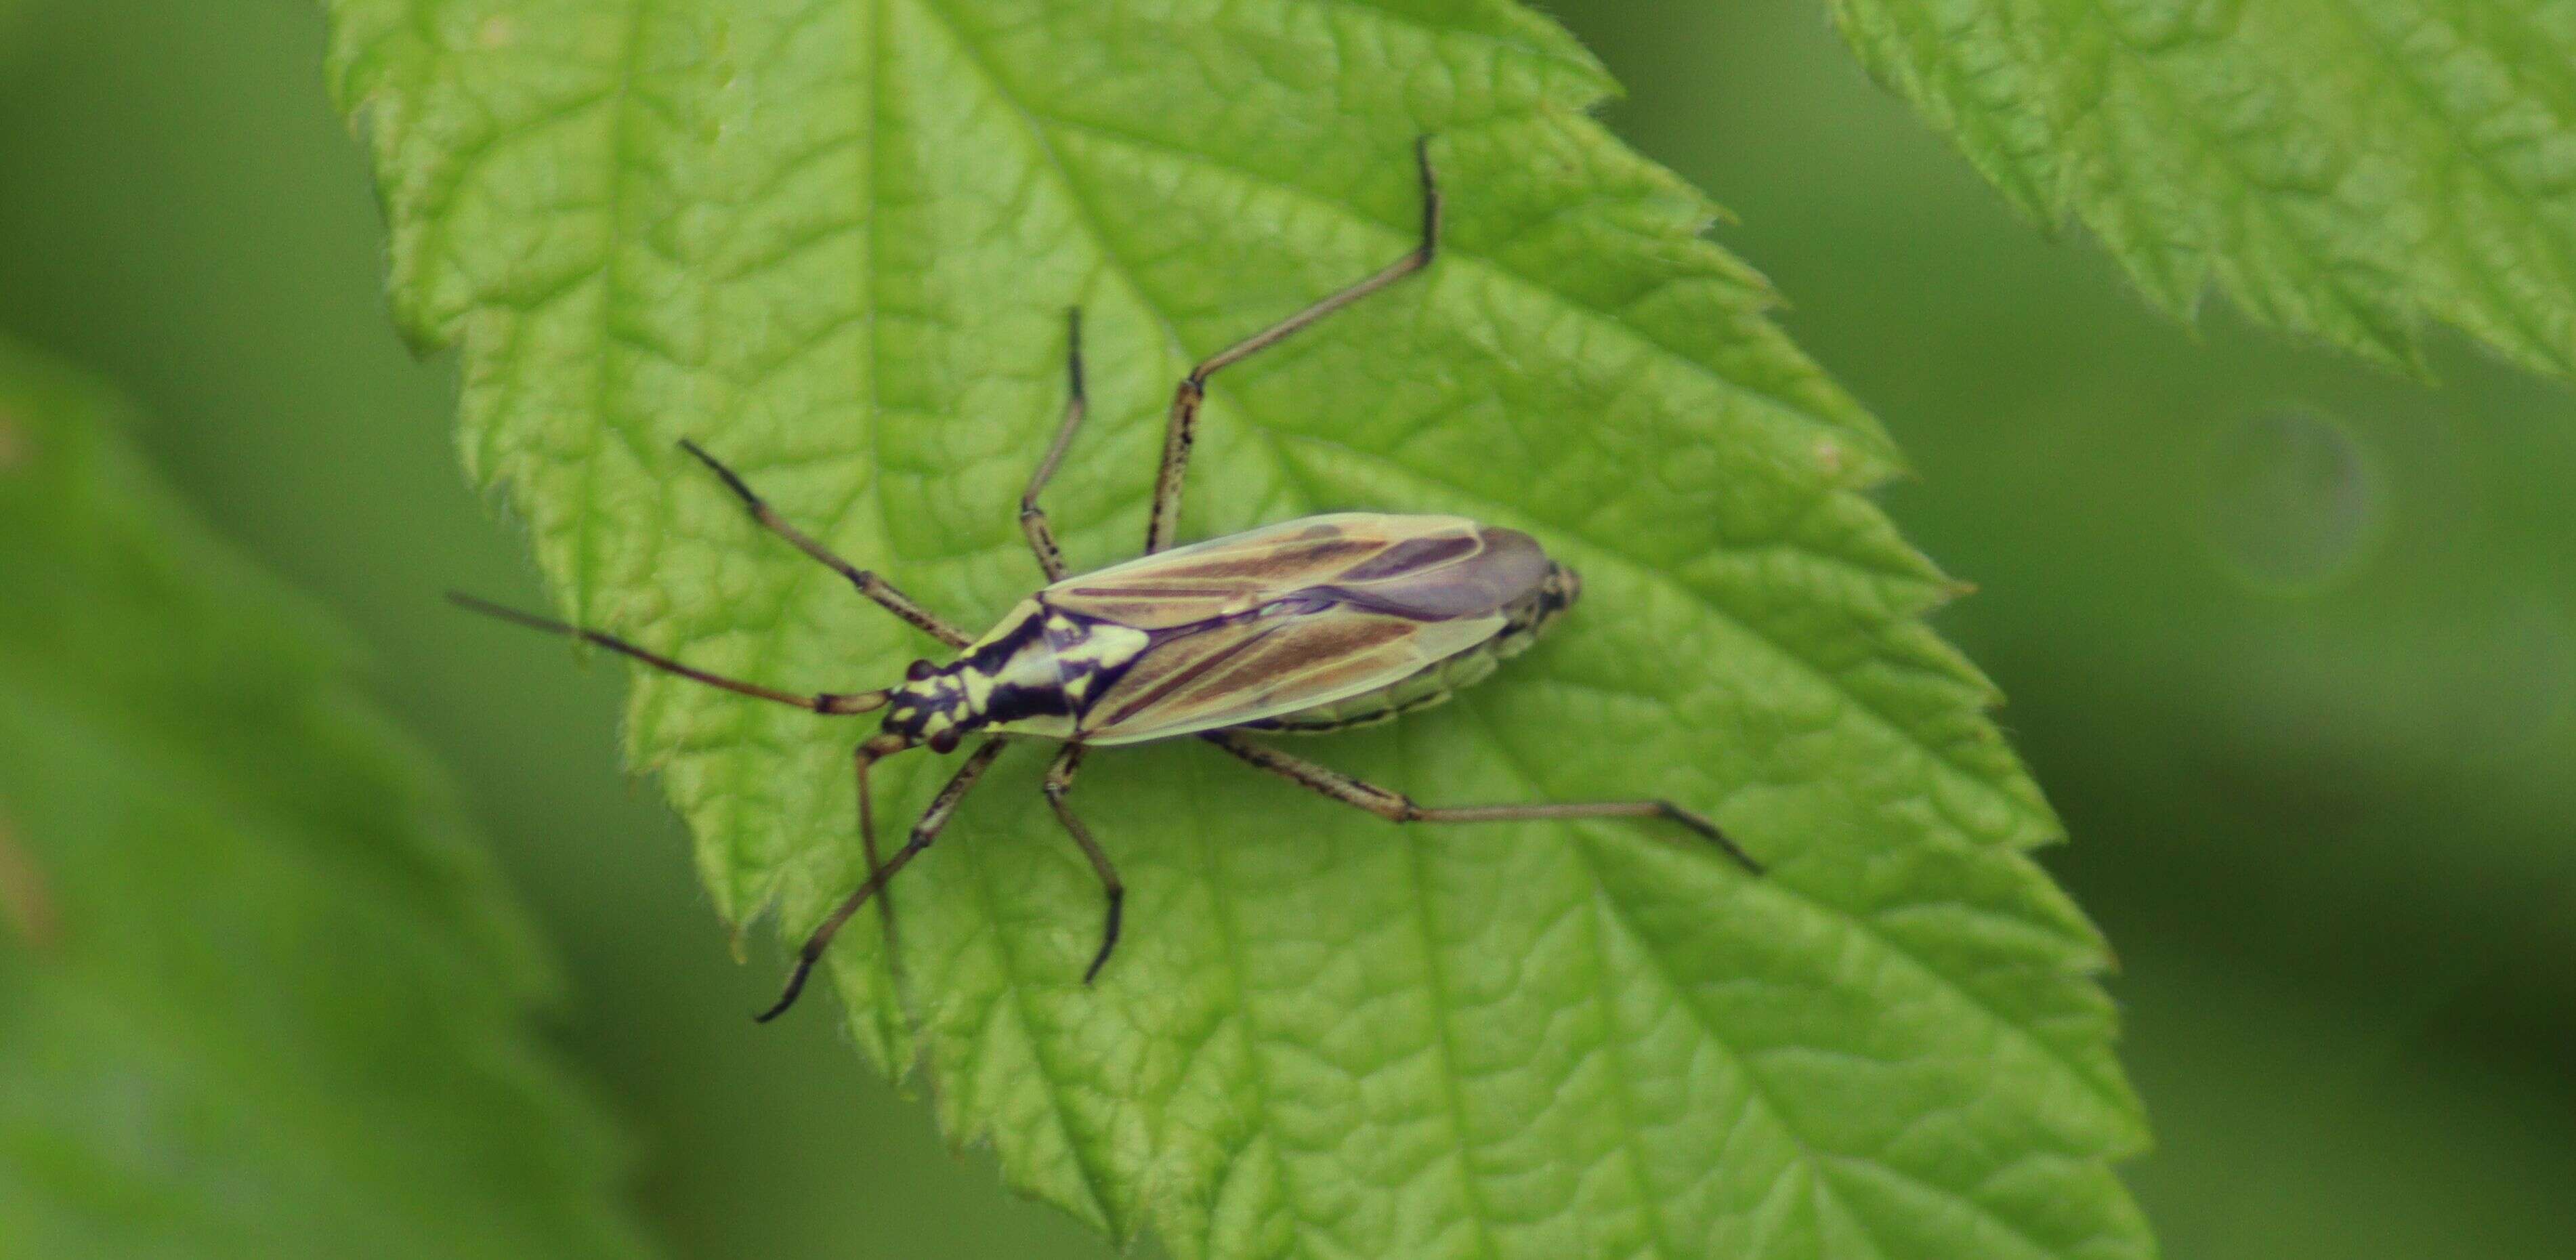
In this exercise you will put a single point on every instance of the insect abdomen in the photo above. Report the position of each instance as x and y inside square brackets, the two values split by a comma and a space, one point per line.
[1435, 683]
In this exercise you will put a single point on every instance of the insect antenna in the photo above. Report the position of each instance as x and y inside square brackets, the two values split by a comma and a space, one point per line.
[827, 702]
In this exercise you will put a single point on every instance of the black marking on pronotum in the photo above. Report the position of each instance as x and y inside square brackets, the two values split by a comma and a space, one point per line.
[993, 652]
[1310, 625]
[1013, 702]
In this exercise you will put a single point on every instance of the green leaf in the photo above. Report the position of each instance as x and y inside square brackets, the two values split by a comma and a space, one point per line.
[2344, 168]
[260, 994]
[835, 240]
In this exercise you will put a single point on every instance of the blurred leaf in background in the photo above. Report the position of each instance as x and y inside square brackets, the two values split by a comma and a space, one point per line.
[835, 242]
[2340, 168]
[188, 213]
[2324, 819]
[260, 994]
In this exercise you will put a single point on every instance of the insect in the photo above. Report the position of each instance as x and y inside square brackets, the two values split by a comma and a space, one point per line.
[1311, 625]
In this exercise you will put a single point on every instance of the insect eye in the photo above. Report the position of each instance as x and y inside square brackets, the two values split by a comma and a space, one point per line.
[944, 742]
[919, 670]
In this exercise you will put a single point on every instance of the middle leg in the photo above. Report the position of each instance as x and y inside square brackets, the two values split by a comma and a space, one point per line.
[1181, 430]
[1059, 781]
[1397, 807]
[1033, 519]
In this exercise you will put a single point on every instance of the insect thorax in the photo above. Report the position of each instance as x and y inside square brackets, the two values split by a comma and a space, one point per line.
[1029, 675]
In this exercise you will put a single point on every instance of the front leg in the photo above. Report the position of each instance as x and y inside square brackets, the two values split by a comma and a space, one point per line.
[933, 820]
[1033, 519]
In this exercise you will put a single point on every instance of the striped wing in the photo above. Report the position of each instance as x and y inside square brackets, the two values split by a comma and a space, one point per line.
[1293, 616]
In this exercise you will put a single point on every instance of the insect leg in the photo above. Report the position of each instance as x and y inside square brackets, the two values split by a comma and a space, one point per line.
[1033, 519]
[833, 703]
[1059, 781]
[862, 758]
[942, 808]
[1182, 429]
[1397, 807]
[869, 584]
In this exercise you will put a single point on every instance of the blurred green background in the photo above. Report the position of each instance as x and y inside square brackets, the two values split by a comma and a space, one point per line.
[2291, 642]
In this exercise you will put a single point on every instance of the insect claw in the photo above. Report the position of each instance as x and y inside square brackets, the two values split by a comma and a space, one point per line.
[1108, 937]
[795, 985]
[741, 489]
[1708, 830]
[1430, 200]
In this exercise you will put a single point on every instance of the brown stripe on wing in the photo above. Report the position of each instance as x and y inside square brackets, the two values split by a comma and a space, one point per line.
[1423, 568]
[1170, 667]
[1225, 578]
[1333, 653]
[1413, 555]
[1327, 549]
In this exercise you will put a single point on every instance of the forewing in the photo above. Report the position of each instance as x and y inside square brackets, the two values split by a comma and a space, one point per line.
[1295, 615]
[1424, 567]
[1266, 666]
